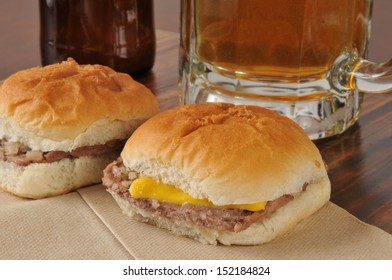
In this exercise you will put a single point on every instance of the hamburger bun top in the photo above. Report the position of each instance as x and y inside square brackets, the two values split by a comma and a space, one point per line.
[228, 154]
[64, 106]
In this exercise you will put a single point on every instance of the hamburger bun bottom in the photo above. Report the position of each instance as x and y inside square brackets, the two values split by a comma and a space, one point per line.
[40, 180]
[303, 205]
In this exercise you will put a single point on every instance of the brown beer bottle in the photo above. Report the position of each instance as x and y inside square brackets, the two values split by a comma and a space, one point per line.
[116, 33]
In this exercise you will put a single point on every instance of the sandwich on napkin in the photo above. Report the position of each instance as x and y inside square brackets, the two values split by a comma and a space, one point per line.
[219, 173]
[61, 124]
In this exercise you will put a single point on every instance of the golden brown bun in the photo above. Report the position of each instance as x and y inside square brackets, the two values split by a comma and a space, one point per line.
[67, 105]
[226, 153]
[62, 107]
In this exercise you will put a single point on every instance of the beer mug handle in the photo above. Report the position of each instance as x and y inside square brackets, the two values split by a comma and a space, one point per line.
[363, 75]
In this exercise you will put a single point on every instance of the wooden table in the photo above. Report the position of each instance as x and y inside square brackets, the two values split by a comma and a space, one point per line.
[360, 160]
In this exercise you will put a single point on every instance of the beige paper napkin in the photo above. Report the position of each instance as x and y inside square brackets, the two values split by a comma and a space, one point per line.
[331, 233]
[62, 227]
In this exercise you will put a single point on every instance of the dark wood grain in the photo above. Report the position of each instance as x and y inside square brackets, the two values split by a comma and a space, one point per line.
[359, 161]
[163, 79]
[360, 164]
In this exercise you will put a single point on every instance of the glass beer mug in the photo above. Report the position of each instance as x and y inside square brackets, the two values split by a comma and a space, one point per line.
[304, 59]
[116, 33]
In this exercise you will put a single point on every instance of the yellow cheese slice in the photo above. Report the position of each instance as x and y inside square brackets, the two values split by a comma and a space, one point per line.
[145, 187]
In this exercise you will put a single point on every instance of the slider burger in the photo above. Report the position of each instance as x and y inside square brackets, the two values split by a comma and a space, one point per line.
[60, 125]
[219, 173]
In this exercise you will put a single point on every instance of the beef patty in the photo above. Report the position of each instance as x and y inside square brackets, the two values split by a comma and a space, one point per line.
[22, 155]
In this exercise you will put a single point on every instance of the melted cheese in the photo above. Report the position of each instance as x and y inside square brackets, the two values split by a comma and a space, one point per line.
[145, 187]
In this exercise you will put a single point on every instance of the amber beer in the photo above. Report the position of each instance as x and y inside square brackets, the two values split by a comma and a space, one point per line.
[292, 56]
[287, 40]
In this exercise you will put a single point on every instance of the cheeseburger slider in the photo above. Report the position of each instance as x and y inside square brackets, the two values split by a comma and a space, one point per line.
[60, 125]
[219, 173]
